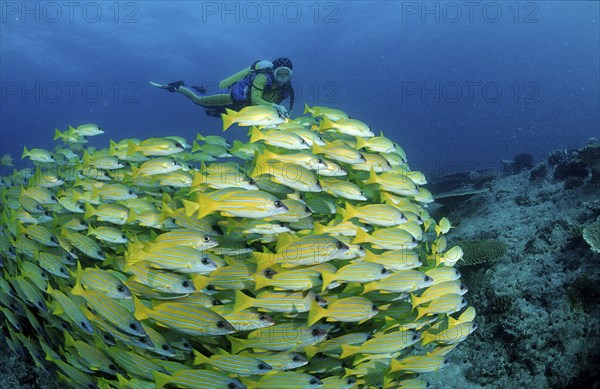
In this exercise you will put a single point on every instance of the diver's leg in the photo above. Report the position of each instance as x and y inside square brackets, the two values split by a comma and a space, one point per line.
[209, 100]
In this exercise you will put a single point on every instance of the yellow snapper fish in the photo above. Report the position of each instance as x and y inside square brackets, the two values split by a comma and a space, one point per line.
[374, 214]
[303, 158]
[236, 202]
[340, 152]
[89, 129]
[330, 113]
[294, 176]
[155, 166]
[213, 140]
[237, 364]
[378, 144]
[352, 127]
[185, 318]
[361, 272]
[341, 188]
[197, 379]
[155, 147]
[38, 155]
[278, 338]
[279, 138]
[348, 309]
[254, 115]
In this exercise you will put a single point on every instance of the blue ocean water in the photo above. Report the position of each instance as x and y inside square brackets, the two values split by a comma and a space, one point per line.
[460, 85]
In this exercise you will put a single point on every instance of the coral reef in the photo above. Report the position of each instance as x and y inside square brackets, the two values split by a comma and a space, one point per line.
[539, 172]
[477, 252]
[591, 234]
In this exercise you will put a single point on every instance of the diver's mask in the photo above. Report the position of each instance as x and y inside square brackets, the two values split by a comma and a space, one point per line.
[282, 74]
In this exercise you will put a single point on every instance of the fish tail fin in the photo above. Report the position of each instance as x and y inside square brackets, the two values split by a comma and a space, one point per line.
[260, 281]
[328, 278]
[228, 118]
[421, 311]
[349, 213]
[165, 211]
[263, 260]
[78, 289]
[25, 152]
[237, 345]
[57, 134]
[200, 282]
[307, 109]
[360, 143]
[199, 358]
[369, 287]
[190, 207]
[132, 216]
[242, 301]
[86, 158]
[112, 148]
[208, 206]
[200, 137]
[415, 301]
[319, 228]
[198, 178]
[310, 351]
[256, 135]
[315, 313]
[372, 177]
[195, 147]
[89, 211]
[427, 338]
[90, 230]
[141, 311]
[318, 149]
[326, 124]
[132, 148]
[160, 379]
[348, 350]
[361, 236]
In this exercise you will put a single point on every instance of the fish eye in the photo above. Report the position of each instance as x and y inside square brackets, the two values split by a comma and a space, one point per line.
[302, 141]
[205, 261]
[350, 381]
[216, 302]
[165, 347]
[317, 299]
[427, 279]
[340, 245]
[262, 316]
[120, 288]
[383, 271]
[123, 237]
[112, 367]
[186, 345]
[80, 207]
[282, 225]
[313, 381]
[130, 192]
[185, 284]
[316, 332]
[133, 326]
[142, 340]
[320, 160]
[175, 163]
[251, 182]
[361, 193]
[307, 210]
[179, 145]
[63, 270]
[296, 358]
[278, 204]
[231, 385]
[107, 338]
[206, 239]
[221, 324]
[268, 273]
[210, 287]
[463, 301]
[415, 337]
[262, 366]
[374, 307]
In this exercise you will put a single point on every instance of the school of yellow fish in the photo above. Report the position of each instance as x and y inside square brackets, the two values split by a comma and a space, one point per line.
[303, 258]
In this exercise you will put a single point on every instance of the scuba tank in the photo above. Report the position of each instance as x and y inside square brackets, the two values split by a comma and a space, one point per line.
[258, 65]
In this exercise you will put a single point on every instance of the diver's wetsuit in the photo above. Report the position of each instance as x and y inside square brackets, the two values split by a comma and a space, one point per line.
[261, 93]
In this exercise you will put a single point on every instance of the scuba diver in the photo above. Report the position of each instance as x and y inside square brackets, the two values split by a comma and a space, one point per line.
[263, 83]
